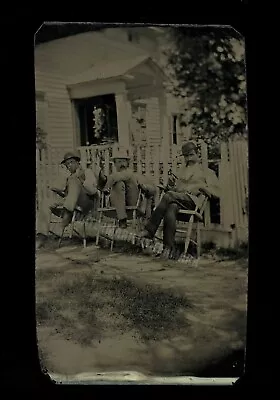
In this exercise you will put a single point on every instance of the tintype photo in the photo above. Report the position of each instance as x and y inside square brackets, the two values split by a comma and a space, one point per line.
[141, 203]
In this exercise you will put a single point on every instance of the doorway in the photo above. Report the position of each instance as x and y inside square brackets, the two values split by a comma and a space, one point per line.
[97, 120]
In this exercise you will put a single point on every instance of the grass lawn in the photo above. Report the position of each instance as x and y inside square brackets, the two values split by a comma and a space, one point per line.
[127, 312]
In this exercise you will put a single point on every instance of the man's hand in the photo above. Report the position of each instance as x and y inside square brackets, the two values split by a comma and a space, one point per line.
[106, 191]
[171, 180]
[205, 191]
[143, 188]
[80, 174]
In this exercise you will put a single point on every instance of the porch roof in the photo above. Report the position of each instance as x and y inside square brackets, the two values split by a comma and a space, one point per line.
[114, 69]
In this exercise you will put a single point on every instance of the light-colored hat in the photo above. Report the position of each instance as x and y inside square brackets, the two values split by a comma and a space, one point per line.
[120, 152]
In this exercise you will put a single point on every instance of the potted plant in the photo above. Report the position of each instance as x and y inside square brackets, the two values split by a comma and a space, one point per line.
[40, 138]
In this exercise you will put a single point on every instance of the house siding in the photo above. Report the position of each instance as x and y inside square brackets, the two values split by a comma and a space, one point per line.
[153, 122]
[56, 61]
[59, 126]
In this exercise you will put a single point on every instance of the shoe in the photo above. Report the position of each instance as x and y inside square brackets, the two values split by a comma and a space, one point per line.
[57, 210]
[40, 241]
[61, 193]
[66, 218]
[145, 234]
[123, 224]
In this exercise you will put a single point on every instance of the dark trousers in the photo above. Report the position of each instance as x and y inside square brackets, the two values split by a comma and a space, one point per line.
[167, 210]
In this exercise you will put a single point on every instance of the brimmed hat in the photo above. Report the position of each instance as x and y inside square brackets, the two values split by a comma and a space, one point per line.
[120, 153]
[70, 155]
[188, 147]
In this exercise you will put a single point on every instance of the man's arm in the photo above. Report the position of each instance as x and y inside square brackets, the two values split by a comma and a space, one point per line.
[80, 174]
[60, 182]
[117, 177]
[101, 180]
[146, 185]
[212, 187]
[90, 183]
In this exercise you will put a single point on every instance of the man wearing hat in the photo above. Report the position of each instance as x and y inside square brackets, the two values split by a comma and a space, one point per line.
[124, 185]
[182, 192]
[80, 189]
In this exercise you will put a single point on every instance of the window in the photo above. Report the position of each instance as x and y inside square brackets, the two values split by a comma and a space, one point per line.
[139, 121]
[97, 119]
[176, 131]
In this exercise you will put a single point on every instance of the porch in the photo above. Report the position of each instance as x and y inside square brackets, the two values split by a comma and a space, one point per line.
[122, 102]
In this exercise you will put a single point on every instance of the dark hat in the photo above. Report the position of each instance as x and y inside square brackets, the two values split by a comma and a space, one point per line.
[70, 155]
[188, 147]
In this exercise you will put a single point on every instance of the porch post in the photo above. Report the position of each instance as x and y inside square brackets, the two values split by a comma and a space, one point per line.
[164, 134]
[123, 116]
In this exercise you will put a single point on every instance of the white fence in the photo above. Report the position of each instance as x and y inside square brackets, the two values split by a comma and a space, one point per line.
[232, 168]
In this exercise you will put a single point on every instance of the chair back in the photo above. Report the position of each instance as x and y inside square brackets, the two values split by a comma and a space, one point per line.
[201, 205]
[197, 212]
[104, 200]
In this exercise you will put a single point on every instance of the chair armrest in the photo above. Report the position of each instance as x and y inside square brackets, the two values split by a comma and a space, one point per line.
[191, 212]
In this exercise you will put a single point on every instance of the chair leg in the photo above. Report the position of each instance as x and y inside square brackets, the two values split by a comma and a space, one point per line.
[198, 240]
[61, 237]
[189, 232]
[49, 222]
[84, 235]
[134, 219]
[113, 236]
[72, 225]
[98, 228]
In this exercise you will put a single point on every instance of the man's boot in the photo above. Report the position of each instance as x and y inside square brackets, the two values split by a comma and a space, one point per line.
[66, 218]
[123, 223]
[40, 240]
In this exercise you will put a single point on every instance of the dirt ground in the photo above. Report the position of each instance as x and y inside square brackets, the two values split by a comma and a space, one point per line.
[101, 311]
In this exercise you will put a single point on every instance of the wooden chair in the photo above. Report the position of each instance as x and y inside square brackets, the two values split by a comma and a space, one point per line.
[110, 212]
[196, 215]
[78, 216]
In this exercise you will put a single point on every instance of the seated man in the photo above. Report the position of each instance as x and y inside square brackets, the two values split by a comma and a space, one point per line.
[124, 185]
[80, 189]
[191, 180]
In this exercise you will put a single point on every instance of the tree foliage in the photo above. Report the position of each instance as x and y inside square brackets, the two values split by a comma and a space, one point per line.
[207, 69]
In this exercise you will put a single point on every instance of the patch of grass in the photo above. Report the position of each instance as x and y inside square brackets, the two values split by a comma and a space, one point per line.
[153, 312]
[208, 246]
[47, 310]
[234, 253]
[77, 287]
[44, 275]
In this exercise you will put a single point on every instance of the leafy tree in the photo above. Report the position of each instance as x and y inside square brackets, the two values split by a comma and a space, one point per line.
[207, 71]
